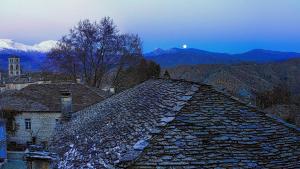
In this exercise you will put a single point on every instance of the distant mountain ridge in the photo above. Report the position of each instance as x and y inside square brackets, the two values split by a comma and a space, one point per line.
[176, 56]
[32, 56]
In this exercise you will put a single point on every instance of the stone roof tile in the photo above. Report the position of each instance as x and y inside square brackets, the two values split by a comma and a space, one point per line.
[118, 129]
[159, 124]
[214, 130]
[46, 97]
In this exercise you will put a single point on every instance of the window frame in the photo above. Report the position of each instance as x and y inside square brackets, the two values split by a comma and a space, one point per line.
[28, 124]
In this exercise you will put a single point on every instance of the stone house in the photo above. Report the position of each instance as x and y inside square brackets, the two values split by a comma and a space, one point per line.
[165, 123]
[37, 109]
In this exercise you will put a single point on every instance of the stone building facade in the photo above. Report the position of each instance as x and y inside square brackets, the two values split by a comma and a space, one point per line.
[37, 109]
[35, 127]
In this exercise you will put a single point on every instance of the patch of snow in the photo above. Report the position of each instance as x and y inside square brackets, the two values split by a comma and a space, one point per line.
[89, 165]
[167, 119]
[69, 156]
[141, 144]
[102, 162]
[178, 107]
[180, 103]
[44, 46]
[185, 98]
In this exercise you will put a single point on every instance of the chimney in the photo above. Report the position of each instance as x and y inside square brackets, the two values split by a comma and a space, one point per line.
[66, 104]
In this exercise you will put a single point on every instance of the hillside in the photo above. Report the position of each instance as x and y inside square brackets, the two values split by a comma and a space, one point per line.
[175, 56]
[245, 80]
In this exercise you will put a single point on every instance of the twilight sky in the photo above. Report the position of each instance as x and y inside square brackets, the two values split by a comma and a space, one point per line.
[216, 25]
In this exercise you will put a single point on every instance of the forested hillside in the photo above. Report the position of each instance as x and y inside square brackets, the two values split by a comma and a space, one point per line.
[247, 81]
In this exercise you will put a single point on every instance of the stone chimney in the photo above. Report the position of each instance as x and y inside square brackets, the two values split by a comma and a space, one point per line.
[66, 104]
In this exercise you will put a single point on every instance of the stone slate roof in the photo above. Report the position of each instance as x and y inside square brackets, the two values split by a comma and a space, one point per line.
[46, 97]
[166, 123]
[105, 132]
[214, 130]
[23, 79]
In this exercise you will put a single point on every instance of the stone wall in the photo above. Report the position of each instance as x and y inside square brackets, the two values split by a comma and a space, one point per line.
[42, 126]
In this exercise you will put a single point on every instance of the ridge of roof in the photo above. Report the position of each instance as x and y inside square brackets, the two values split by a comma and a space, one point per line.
[160, 153]
[271, 116]
[141, 144]
[153, 104]
[132, 150]
[224, 92]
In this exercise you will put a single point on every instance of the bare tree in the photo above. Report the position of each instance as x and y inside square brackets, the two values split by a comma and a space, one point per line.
[130, 53]
[86, 50]
[94, 50]
[65, 59]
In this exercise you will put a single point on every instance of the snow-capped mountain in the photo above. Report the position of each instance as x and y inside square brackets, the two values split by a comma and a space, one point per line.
[32, 56]
[45, 46]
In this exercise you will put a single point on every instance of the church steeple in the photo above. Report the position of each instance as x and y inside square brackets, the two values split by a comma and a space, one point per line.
[14, 67]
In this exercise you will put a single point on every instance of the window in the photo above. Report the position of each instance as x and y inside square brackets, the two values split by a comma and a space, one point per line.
[27, 123]
[56, 122]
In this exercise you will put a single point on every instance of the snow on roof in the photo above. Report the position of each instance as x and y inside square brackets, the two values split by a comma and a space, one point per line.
[172, 123]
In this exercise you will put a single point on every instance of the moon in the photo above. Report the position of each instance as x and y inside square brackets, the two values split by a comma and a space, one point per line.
[184, 46]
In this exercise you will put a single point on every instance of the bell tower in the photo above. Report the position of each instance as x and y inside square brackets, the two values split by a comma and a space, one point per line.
[14, 67]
